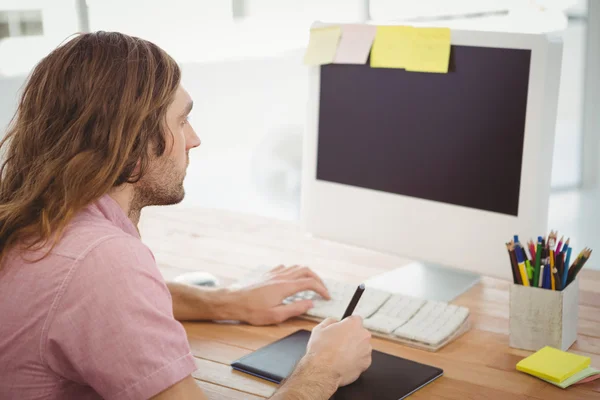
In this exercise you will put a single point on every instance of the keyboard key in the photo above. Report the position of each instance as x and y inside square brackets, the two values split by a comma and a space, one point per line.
[382, 323]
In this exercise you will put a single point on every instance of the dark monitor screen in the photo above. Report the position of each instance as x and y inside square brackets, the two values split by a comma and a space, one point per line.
[455, 138]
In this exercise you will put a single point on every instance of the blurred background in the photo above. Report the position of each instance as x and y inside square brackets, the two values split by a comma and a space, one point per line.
[242, 64]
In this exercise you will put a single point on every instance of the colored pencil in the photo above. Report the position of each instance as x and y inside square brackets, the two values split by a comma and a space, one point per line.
[560, 243]
[566, 267]
[557, 272]
[581, 262]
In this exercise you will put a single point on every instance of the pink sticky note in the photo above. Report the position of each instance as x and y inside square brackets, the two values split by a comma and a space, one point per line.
[355, 44]
[588, 379]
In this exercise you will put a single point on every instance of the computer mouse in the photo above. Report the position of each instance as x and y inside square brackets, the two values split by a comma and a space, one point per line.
[197, 278]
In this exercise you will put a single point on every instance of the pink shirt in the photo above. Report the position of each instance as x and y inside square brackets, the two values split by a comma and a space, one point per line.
[92, 320]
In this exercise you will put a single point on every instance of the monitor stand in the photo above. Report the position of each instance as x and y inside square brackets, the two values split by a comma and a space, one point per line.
[425, 281]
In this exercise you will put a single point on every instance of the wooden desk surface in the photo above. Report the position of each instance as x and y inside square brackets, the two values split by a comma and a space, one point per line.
[478, 365]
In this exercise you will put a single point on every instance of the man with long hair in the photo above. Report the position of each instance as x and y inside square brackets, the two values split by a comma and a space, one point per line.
[102, 131]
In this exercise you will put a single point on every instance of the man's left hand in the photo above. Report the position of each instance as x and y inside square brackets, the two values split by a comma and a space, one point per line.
[261, 303]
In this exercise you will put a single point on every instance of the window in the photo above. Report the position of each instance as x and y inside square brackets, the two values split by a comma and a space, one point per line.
[21, 23]
[36, 25]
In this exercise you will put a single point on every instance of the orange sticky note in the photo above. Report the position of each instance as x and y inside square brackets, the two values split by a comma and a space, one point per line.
[391, 47]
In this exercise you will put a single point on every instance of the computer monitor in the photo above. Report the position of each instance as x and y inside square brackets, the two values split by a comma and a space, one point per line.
[439, 168]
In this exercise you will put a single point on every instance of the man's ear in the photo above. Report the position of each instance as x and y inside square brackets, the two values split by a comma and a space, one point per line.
[135, 174]
[138, 167]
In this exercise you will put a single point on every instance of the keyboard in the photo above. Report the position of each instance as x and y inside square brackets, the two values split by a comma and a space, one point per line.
[424, 324]
[341, 294]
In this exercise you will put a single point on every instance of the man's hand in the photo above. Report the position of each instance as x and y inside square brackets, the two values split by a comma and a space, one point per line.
[336, 354]
[260, 303]
[344, 347]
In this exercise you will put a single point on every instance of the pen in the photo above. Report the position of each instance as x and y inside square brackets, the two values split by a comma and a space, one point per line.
[552, 271]
[521, 264]
[544, 278]
[350, 309]
[529, 270]
[538, 258]
[528, 261]
[531, 253]
[514, 264]
[547, 271]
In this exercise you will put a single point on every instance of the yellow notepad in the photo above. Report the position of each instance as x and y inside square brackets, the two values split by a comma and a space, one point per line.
[553, 365]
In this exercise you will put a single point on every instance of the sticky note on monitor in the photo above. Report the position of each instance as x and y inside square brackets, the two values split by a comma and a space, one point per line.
[391, 46]
[322, 45]
[429, 51]
[355, 44]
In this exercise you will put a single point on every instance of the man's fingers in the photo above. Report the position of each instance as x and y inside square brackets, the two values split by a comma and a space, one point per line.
[294, 309]
[291, 287]
[297, 272]
[326, 322]
[278, 268]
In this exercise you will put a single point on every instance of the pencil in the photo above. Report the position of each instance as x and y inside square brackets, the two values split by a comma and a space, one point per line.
[560, 265]
[552, 240]
[560, 242]
[513, 262]
[581, 262]
[557, 272]
[566, 266]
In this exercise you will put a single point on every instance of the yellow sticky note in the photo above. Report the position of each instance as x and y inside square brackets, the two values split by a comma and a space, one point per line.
[391, 46]
[322, 45]
[430, 50]
[553, 364]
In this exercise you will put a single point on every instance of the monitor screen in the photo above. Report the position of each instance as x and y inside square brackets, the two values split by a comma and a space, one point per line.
[455, 138]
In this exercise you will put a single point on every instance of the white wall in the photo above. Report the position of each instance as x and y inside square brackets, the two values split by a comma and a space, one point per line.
[249, 115]
[9, 89]
[237, 102]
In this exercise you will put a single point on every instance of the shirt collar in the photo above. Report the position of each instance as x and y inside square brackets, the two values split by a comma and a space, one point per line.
[113, 212]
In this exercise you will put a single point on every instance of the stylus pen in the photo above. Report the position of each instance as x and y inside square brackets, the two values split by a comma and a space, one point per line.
[350, 309]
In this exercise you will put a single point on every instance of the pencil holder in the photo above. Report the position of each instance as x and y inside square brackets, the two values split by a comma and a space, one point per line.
[542, 317]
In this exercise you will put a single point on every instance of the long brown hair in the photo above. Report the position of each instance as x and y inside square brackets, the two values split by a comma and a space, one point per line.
[87, 117]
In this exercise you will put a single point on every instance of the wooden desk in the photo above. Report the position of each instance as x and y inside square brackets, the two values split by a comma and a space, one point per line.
[479, 365]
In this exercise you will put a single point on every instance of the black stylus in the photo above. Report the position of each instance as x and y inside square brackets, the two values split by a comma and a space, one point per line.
[350, 309]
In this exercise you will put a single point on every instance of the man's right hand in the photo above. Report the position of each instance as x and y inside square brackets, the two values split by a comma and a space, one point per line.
[344, 347]
[336, 354]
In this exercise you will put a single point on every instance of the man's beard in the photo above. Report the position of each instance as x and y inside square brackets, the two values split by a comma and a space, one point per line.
[162, 186]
